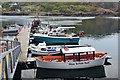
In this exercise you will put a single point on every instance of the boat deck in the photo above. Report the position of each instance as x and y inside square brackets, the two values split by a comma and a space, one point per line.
[70, 58]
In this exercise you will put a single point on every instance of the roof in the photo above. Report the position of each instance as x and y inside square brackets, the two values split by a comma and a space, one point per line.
[77, 50]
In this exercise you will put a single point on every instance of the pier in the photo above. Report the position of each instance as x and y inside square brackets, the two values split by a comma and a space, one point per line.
[23, 38]
[14, 53]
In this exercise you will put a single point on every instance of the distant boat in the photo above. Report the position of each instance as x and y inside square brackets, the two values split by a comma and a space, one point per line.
[36, 22]
[13, 29]
[72, 58]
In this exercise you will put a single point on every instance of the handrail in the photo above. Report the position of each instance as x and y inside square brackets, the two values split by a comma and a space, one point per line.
[2, 55]
[9, 60]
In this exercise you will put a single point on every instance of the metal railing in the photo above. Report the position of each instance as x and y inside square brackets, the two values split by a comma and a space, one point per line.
[9, 59]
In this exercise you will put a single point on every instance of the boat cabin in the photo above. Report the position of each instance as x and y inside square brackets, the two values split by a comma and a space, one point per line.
[78, 53]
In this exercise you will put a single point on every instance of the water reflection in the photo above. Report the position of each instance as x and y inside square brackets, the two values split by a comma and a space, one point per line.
[98, 27]
[94, 72]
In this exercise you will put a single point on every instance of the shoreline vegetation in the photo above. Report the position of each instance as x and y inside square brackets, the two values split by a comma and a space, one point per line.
[61, 9]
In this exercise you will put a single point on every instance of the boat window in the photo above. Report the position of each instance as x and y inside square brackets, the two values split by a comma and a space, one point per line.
[49, 47]
[12, 26]
[33, 47]
[50, 33]
[43, 49]
[54, 31]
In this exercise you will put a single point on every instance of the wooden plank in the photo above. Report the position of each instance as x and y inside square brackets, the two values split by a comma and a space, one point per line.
[23, 38]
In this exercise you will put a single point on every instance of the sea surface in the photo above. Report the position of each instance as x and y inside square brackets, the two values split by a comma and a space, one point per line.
[99, 32]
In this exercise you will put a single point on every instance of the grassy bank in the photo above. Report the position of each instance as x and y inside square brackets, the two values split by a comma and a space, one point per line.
[64, 8]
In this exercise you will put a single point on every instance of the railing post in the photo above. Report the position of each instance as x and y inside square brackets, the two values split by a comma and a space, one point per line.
[7, 45]
[11, 45]
[13, 58]
[9, 65]
[3, 69]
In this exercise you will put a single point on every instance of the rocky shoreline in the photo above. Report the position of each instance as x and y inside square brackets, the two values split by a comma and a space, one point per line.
[14, 13]
[81, 14]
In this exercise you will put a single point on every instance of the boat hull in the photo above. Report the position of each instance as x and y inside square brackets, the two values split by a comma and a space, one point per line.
[55, 40]
[70, 65]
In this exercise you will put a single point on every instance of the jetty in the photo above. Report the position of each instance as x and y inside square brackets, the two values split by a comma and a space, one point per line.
[23, 38]
[14, 53]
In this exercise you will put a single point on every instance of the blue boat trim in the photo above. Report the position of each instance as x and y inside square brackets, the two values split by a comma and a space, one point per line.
[50, 40]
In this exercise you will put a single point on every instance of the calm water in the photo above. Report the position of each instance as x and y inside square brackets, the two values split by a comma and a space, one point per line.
[101, 33]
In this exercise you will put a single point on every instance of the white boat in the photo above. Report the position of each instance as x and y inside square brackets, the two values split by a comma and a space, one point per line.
[59, 31]
[12, 29]
[72, 58]
[42, 49]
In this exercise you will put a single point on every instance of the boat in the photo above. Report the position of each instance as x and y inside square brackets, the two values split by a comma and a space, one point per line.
[42, 49]
[36, 22]
[38, 38]
[12, 29]
[57, 37]
[72, 58]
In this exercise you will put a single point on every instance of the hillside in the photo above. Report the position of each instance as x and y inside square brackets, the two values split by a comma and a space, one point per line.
[67, 8]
